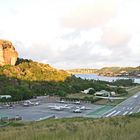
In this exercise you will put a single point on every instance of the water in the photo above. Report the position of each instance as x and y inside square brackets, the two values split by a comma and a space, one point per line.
[103, 78]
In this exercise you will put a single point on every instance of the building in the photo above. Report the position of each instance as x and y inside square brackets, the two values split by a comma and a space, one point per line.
[102, 93]
[86, 91]
[5, 96]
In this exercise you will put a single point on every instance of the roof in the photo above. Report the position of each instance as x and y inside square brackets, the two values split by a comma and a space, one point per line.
[102, 92]
[5, 96]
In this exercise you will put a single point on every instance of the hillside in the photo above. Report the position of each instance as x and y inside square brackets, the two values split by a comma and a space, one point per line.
[119, 71]
[82, 71]
[109, 71]
[24, 79]
[33, 71]
[28, 78]
[12, 66]
[116, 128]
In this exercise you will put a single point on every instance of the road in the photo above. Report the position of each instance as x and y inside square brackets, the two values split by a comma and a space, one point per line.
[127, 107]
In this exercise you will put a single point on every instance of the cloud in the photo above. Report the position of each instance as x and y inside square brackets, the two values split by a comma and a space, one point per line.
[91, 15]
[75, 33]
[115, 37]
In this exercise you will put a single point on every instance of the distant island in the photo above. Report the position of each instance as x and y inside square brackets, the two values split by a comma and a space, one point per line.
[110, 71]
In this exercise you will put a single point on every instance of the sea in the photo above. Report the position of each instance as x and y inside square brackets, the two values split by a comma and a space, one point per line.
[104, 78]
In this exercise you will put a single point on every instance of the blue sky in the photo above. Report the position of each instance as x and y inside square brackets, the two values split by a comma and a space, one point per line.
[73, 33]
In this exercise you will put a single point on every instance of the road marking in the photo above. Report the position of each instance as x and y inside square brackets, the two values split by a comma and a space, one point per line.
[111, 113]
[125, 113]
[123, 108]
[116, 113]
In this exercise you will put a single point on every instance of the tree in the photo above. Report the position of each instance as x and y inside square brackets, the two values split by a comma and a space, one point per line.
[61, 93]
[91, 91]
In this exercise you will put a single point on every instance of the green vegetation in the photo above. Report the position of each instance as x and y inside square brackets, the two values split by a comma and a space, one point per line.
[117, 128]
[21, 90]
[132, 90]
[124, 82]
[29, 79]
[76, 97]
[33, 71]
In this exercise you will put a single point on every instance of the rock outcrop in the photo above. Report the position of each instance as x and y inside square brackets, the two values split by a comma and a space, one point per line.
[8, 54]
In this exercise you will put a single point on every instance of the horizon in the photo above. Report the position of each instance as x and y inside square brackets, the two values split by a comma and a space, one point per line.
[69, 34]
[103, 67]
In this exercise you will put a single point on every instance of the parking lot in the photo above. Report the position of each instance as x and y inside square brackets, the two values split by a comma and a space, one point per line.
[34, 113]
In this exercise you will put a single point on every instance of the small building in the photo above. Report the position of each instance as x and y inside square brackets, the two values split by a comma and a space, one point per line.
[102, 93]
[86, 91]
[113, 93]
[5, 96]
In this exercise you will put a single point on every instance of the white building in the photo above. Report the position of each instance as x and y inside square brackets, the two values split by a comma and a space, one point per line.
[5, 96]
[102, 93]
[86, 91]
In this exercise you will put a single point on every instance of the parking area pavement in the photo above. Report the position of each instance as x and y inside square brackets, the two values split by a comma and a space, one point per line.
[34, 113]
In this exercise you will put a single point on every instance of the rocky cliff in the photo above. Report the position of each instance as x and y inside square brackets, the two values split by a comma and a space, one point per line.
[8, 54]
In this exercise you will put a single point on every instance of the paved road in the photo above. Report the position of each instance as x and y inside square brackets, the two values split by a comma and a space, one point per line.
[127, 107]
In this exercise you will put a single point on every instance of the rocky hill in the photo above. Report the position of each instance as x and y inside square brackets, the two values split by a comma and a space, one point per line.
[8, 54]
[24, 79]
[33, 71]
[12, 66]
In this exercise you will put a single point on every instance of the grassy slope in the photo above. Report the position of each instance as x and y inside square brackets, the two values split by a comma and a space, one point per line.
[33, 71]
[119, 128]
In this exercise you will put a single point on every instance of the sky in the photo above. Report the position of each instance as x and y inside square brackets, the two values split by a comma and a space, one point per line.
[71, 34]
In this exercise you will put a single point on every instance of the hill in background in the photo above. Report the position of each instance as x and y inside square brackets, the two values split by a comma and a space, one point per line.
[109, 71]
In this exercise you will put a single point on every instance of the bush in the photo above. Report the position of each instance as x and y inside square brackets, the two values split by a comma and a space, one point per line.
[91, 91]
[124, 82]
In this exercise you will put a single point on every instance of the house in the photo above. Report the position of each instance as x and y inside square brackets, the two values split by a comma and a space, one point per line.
[113, 93]
[86, 91]
[102, 93]
[5, 96]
